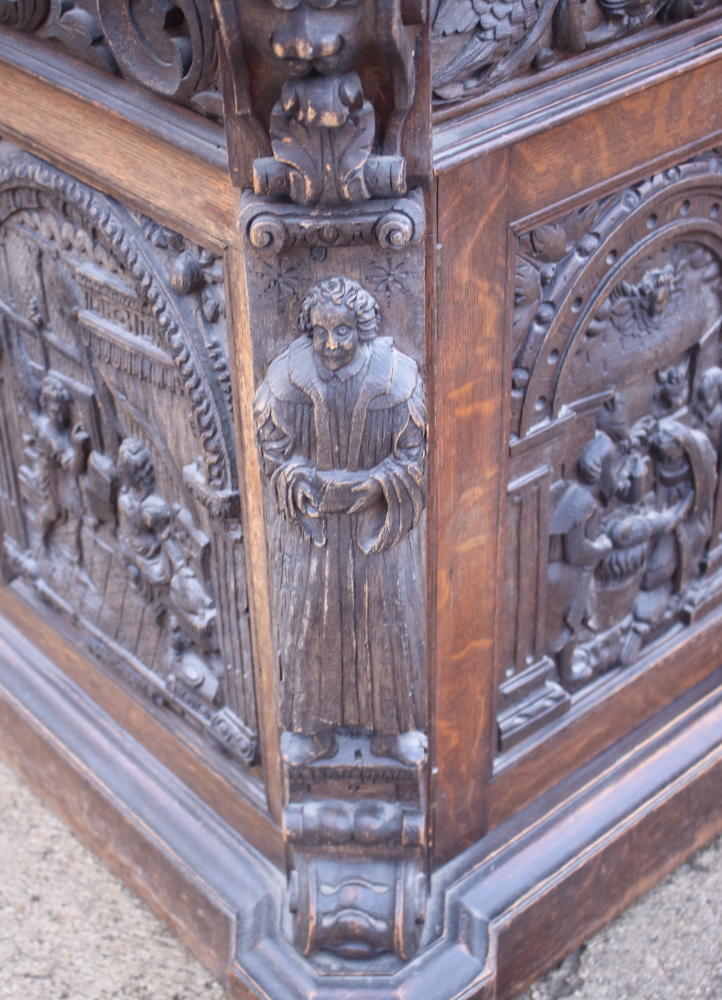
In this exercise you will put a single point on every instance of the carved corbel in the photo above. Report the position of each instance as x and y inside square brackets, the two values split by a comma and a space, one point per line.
[320, 91]
[330, 85]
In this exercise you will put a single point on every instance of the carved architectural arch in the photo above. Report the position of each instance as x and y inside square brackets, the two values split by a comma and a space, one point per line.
[119, 499]
[614, 504]
[583, 269]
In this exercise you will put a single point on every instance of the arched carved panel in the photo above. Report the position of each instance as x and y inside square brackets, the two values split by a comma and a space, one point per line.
[119, 493]
[615, 446]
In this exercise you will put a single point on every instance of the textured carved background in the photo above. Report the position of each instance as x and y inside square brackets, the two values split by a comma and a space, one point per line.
[477, 44]
[118, 487]
[614, 506]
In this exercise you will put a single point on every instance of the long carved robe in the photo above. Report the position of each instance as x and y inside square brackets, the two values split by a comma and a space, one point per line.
[348, 587]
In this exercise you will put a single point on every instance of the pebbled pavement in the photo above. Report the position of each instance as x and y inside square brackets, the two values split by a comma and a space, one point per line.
[69, 930]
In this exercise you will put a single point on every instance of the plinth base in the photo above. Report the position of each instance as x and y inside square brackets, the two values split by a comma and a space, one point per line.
[499, 915]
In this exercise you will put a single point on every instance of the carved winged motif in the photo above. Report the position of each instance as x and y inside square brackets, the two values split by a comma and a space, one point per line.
[478, 43]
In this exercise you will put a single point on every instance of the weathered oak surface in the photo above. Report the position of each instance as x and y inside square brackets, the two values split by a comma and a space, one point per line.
[364, 471]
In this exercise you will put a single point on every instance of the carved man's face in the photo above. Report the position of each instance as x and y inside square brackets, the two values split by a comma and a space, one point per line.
[304, 35]
[335, 334]
[58, 410]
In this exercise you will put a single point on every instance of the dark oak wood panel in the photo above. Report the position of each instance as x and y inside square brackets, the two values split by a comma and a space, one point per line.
[117, 154]
[469, 427]
[620, 867]
[596, 725]
[589, 156]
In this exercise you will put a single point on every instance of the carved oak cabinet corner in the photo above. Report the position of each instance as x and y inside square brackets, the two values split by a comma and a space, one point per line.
[335, 268]
[360, 464]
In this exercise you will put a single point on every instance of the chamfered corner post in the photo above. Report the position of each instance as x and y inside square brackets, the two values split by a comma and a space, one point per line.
[328, 125]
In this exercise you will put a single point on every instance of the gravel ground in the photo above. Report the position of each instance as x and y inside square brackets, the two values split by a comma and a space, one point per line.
[70, 931]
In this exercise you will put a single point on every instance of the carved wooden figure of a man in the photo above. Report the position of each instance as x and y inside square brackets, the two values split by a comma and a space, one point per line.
[341, 419]
[63, 458]
[143, 519]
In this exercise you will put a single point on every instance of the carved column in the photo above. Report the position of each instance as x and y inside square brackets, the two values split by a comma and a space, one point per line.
[334, 260]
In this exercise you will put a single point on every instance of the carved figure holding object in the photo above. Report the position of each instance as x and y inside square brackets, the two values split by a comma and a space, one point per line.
[143, 519]
[63, 459]
[341, 421]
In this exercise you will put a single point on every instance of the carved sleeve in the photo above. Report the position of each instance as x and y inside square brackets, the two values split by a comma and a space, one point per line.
[274, 441]
[401, 478]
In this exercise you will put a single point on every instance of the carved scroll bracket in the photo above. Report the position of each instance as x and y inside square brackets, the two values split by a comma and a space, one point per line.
[357, 884]
[385, 223]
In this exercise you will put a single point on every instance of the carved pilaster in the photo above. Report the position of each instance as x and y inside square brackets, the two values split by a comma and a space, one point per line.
[335, 277]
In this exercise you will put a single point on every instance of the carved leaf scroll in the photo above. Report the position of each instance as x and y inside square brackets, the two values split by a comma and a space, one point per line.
[166, 46]
[170, 48]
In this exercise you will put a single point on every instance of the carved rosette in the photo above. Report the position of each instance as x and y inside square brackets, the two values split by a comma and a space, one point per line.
[119, 491]
[615, 441]
[335, 274]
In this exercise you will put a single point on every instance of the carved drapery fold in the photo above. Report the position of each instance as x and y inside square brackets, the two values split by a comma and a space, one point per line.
[615, 450]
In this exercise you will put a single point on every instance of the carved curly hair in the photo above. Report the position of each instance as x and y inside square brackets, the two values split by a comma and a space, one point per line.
[343, 292]
[53, 388]
[134, 461]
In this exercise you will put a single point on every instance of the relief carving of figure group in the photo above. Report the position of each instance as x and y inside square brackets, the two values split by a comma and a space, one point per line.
[116, 490]
[615, 438]
[628, 540]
